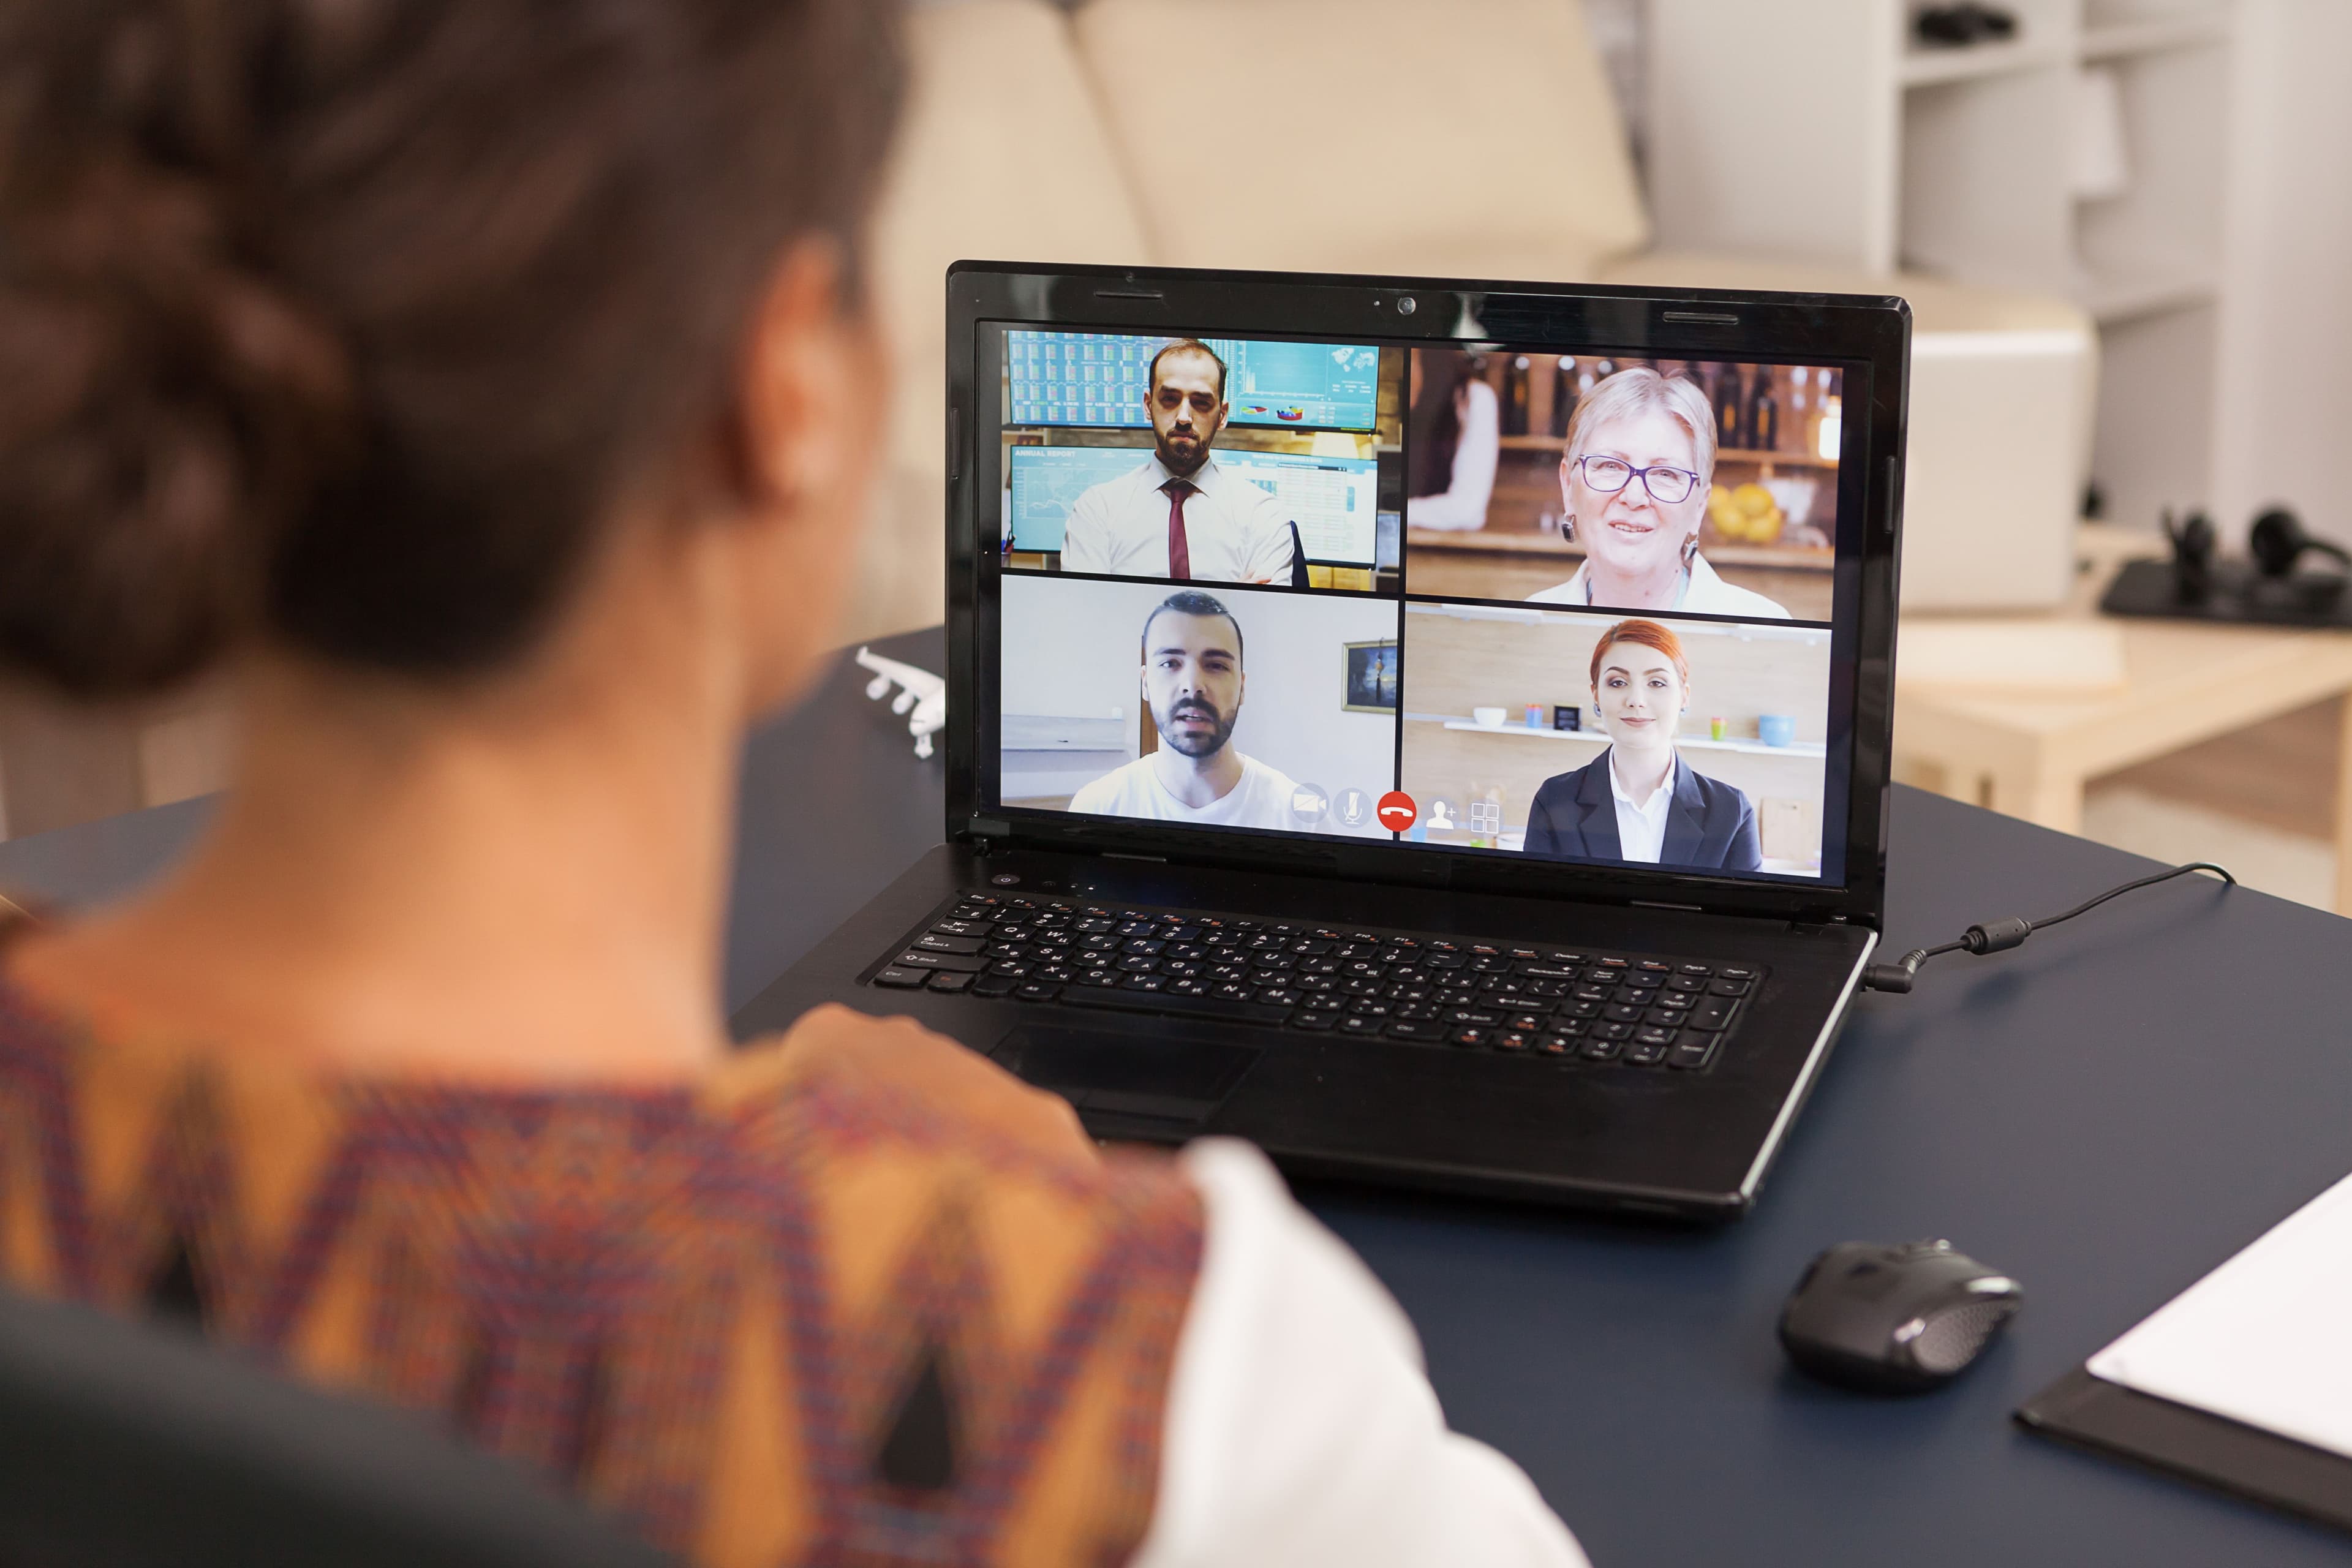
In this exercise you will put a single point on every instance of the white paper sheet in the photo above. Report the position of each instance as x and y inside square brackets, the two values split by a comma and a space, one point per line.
[2266, 1338]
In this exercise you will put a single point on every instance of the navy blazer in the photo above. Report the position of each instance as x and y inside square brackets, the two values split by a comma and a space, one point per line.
[1711, 825]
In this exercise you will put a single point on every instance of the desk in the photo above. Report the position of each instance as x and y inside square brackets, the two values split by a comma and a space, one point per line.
[2107, 1112]
[2030, 756]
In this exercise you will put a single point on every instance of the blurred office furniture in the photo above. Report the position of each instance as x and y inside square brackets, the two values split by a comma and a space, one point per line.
[2176, 169]
[2025, 741]
[130, 1445]
[2111, 1111]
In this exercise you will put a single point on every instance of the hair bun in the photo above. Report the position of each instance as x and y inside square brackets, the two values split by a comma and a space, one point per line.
[163, 412]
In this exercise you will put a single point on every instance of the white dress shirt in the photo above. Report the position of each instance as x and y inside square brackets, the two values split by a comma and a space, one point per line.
[1703, 592]
[1234, 531]
[1476, 451]
[1261, 798]
[1300, 1427]
[1640, 824]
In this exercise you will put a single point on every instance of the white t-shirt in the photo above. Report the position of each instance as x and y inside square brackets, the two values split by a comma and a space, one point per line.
[1704, 593]
[1261, 798]
[1233, 530]
[1301, 1427]
[1640, 824]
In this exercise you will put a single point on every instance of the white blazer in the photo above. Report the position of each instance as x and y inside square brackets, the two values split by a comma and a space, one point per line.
[1704, 593]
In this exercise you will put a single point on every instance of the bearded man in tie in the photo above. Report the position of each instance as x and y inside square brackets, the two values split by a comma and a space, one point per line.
[1178, 515]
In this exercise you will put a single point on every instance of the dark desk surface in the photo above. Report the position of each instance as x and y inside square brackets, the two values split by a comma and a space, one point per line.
[2107, 1115]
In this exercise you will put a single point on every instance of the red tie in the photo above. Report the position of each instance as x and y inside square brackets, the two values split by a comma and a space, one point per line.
[1180, 551]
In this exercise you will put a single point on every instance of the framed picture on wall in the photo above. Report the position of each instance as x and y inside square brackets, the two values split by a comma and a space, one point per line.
[1371, 684]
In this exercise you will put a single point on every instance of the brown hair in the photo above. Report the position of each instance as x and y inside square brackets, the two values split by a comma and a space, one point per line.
[1187, 346]
[343, 324]
[1650, 635]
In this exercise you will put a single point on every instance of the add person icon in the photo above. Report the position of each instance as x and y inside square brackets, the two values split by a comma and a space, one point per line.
[1440, 815]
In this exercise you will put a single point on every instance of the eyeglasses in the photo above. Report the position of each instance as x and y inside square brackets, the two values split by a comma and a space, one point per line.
[1667, 486]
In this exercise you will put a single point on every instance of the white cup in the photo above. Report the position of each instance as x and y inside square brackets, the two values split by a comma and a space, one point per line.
[1487, 718]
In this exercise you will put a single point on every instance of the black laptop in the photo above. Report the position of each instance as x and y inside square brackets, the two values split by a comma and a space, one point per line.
[1434, 729]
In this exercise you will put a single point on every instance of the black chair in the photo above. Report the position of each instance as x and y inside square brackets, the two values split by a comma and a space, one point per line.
[127, 1445]
[1298, 558]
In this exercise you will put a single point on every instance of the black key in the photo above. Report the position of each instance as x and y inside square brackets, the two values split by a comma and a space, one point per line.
[1694, 1049]
[1418, 1012]
[1685, 983]
[1671, 1017]
[1546, 971]
[1732, 971]
[1169, 1002]
[1100, 977]
[1612, 1031]
[1004, 970]
[1147, 983]
[1513, 1041]
[1727, 987]
[1567, 1038]
[1523, 952]
[1368, 1008]
[1094, 922]
[994, 985]
[1527, 1023]
[1715, 1013]
[1491, 964]
[1279, 996]
[1187, 951]
[1485, 949]
[1622, 1013]
[1234, 991]
[1272, 962]
[1038, 991]
[961, 928]
[1561, 955]
[1575, 1009]
[1547, 989]
[1601, 1049]
[1136, 964]
[1555, 1046]
[1102, 941]
[1407, 1029]
[1136, 927]
[1652, 966]
[1188, 985]
[902, 979]
[1361, 968]
[1361, 985]
[1503, 985]
[1641, 985]
[1594, 992]
[1643, 1055]
[1654, 1036]
[1055, 974]
[1441, 960]
[1471, 1036]
[951, 980]
[1395, 992]
[1696, 969]
[1142, 945]
[1357, 1024]
[1456, 995]
[1312, 947]
[1617, 963]
[1472, 1016]
[929, 943]
[1008, 949]
[970, 963]
[1310, 1019]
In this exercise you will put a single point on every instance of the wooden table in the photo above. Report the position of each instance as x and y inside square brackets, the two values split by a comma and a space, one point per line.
[2030, 755]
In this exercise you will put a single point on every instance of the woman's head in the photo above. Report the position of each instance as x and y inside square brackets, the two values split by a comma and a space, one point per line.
[1641, 684]
[1639, 419]
[352, 329]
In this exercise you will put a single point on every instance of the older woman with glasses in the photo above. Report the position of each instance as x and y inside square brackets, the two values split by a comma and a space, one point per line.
[1633, 481]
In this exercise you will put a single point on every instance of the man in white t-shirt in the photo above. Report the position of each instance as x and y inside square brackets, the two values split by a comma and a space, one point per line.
[1178, 514]
[1192, 683]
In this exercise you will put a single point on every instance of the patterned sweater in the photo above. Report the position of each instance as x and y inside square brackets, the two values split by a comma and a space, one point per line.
[800, 1312]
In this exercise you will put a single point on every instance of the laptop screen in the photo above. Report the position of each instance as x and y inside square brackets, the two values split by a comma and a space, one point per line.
[1465, 597]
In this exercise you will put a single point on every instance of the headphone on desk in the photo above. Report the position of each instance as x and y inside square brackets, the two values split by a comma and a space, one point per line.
[2276, 540]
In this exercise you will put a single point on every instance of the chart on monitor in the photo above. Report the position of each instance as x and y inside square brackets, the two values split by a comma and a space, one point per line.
[1101, 378]
[1332, 499]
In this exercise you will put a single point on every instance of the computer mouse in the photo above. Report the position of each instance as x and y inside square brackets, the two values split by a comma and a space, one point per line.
[1899, 1318]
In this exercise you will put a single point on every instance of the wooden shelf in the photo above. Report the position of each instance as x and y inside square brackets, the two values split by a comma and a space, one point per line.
[2117, 39]
[1532, 443]
[1722, 455]
[1811, 749]
[1969, 62]
[1491, 541]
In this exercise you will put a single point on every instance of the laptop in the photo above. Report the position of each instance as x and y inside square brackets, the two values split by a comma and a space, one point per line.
[1435, 730]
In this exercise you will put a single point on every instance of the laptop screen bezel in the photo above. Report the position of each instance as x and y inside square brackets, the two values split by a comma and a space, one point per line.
[1869, 336]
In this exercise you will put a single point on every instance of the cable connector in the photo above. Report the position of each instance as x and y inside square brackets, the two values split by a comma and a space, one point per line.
[2001, 935]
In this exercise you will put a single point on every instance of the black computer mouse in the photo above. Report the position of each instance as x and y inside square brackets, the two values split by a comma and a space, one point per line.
[1899, 1318]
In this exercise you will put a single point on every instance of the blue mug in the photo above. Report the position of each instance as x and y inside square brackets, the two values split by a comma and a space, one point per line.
[1776, 728]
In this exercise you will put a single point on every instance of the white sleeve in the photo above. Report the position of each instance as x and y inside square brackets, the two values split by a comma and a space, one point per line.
[1301, 1427]
[1272, 560]
[1085, 532]
[1477, 454]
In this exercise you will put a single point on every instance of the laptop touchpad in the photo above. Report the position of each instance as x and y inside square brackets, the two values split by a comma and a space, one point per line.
[1159, 1076]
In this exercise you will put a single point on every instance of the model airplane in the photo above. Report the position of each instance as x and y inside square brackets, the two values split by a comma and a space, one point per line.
[919, 690]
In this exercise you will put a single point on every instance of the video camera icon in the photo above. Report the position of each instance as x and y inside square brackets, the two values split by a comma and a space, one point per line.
[1397, 811]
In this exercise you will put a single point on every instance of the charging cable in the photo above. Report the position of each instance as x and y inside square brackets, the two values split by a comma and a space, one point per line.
[2001, 935]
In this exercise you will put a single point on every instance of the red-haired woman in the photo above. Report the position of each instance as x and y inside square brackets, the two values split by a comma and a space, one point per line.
[1639, 800]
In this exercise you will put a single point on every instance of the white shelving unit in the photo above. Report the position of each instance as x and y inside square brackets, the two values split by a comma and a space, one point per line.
[1819, 130]
[1812, 749]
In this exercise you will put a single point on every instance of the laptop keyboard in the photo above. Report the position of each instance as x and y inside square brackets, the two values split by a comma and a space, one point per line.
[1531, 999]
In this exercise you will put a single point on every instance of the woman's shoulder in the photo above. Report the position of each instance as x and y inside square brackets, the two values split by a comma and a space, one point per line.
[1715, 793]
[1710, 594]
[1567, 787]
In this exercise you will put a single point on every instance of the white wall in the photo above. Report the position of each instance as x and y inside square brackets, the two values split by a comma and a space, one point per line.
[1073, 648]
